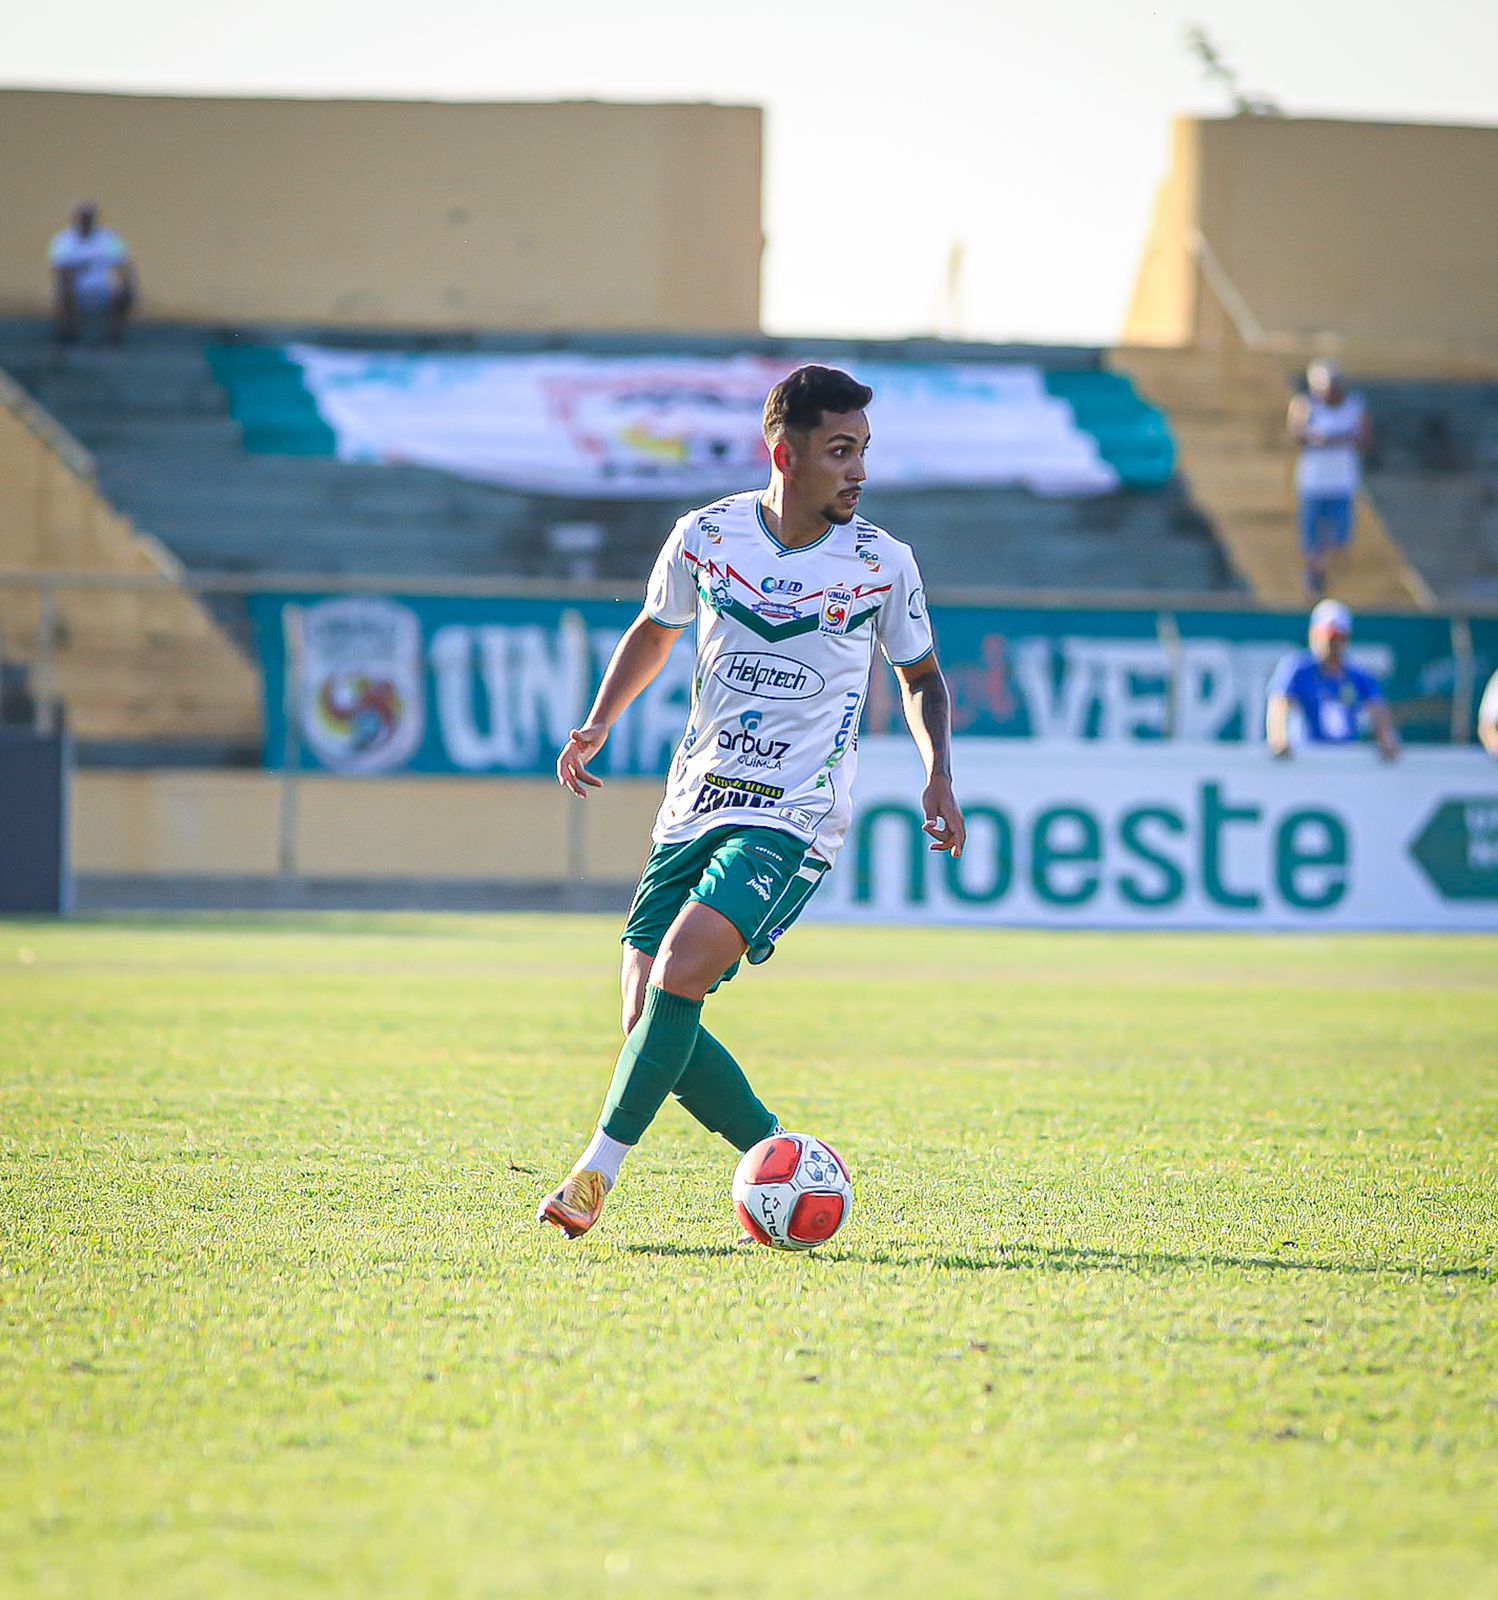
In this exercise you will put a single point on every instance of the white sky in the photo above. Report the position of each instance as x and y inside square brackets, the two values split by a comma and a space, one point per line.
[1033, 131]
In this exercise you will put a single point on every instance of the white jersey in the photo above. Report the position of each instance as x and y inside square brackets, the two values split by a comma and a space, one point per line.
[785, 644]
[1333, 467]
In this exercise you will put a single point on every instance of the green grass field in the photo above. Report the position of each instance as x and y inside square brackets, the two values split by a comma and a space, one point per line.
[1172, 1270]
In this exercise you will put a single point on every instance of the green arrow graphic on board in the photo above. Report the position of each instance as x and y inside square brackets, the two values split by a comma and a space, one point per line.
[1458, 848]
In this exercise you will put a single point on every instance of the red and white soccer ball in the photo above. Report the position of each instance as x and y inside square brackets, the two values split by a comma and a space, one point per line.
[792, 1192]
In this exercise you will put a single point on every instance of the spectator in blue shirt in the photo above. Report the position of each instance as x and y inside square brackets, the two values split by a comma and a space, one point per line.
[1334, 697]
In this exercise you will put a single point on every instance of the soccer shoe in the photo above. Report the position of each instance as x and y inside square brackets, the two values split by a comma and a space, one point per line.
[577, 1205]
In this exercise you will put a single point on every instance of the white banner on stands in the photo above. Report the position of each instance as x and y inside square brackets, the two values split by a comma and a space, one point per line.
[1177, 836]
[631, 426]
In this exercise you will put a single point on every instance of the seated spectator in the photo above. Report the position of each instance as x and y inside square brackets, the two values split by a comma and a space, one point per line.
[91, 275]
[1487, 717]
[1330, 424]
[1329, 692]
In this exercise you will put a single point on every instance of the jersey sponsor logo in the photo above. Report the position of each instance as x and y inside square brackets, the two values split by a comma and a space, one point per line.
[742, 794]
[837, 610]
[917, 604]
[768, 677]
[781, 586]
[751, 750]
[775, 611]
[797, 814]
[847, 734]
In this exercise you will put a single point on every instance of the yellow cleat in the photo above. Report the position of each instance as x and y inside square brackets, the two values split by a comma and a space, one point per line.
[577, 1205]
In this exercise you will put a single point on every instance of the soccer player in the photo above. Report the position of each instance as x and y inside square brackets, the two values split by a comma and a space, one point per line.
[1330, 693]
[1487, 717]
[792, 593]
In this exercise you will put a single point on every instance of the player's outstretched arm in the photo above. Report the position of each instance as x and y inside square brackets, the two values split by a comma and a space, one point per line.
[928, 713]
[633, 667]
[1383, 731]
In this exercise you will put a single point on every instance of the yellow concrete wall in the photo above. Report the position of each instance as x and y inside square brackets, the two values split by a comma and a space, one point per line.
[1375, 232]
[227, 824]
[1162, 309]
[402, 213]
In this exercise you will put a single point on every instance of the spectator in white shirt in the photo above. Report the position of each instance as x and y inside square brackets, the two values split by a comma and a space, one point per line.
[1331, 427]
[92, 275]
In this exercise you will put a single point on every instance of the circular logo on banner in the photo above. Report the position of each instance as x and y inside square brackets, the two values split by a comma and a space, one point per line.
[361, 696]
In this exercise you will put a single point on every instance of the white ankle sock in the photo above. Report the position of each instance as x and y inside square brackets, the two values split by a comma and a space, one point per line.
[604, 1155]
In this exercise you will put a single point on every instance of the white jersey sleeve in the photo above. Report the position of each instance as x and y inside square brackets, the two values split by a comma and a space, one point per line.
[904, 627]
[1487, 710]
[671, 593]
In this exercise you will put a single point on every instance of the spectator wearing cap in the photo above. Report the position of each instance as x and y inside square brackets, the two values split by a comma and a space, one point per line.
[1330, 426]
[1487, 717]
[92, 275]
[1333, 697]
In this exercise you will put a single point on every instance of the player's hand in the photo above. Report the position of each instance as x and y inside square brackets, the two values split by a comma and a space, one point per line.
[572, 764]
[944, 823]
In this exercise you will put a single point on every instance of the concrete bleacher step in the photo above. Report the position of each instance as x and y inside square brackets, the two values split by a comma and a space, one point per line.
[1228, 409]
[128, 664]
[170, 455]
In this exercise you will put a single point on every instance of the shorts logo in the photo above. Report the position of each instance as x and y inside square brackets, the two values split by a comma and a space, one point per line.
[763, 884]
[837, 610]
[768, 677]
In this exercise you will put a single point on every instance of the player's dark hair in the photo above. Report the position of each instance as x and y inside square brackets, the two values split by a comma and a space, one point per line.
[797, 402]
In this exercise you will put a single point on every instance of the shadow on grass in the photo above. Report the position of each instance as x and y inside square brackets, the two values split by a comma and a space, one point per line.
[707, 1251]
[1022, 1257]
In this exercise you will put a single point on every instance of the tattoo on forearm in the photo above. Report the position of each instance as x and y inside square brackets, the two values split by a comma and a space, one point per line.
[933, 708]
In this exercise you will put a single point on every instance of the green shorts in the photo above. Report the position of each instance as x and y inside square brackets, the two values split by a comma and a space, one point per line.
[759, 878]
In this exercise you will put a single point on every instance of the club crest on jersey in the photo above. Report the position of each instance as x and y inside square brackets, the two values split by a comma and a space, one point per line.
[837, 610]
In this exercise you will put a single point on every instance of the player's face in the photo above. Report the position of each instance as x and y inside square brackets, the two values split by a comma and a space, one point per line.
[825, 467]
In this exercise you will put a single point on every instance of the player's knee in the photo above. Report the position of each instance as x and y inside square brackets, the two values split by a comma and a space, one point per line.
[689, 973]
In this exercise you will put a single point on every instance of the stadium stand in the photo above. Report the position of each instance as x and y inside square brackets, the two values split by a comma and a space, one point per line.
[1227, 408]
[1434, 475]
[142, 664]
[201, 439]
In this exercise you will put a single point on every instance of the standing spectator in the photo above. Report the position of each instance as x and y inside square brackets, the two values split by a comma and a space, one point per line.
[91, 275]
[1328, 691]
[1487, 717]
[1330, 425]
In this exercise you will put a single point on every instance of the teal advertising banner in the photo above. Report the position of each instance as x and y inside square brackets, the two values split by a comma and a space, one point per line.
[487, 685]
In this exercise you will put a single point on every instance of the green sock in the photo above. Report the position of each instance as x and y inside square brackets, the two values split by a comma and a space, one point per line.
[714, 1089]
[653, 1058]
